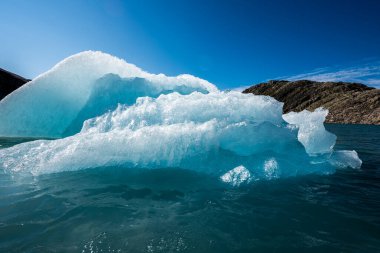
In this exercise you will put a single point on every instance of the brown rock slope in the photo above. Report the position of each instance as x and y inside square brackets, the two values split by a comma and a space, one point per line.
[347, 102]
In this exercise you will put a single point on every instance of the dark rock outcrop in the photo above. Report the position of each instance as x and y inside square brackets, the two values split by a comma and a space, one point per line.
[347, 103]
[10, 82]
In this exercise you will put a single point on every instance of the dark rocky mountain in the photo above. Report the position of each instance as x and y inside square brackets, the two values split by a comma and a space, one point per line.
[347, 102]
[9, 82]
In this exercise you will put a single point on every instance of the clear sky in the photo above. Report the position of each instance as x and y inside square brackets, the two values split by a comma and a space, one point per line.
[230, 43]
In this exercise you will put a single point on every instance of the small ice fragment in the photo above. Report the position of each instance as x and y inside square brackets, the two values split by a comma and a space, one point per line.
[312, 133]
[237, 176]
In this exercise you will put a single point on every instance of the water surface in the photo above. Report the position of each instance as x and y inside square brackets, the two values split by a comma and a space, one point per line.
[175, 210]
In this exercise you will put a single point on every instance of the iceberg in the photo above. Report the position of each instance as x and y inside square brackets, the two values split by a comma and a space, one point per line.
[82, 86]
[107, 112]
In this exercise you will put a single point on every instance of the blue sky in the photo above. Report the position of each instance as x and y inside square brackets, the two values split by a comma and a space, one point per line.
[229, 43]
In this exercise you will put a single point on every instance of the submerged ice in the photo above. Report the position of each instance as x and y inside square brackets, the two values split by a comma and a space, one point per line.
[112, 113]
[237, 176]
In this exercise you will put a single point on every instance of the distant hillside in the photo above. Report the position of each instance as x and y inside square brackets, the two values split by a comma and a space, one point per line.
[9, 82]
[347, 102]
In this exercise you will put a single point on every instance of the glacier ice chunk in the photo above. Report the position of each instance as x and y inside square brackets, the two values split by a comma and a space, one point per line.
[206, 132]
[312, 133]
[56, 103]
[112, 113]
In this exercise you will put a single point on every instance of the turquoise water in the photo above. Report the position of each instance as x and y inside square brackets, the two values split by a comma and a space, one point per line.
[175, 210]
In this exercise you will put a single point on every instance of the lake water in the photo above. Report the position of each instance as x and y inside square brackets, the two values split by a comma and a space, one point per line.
[175, 210]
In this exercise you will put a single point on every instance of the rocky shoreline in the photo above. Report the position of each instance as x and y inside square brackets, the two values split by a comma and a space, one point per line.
[348, 103]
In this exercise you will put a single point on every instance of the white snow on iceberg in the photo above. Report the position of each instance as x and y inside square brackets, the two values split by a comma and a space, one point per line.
[83, 86]
[115, 114]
